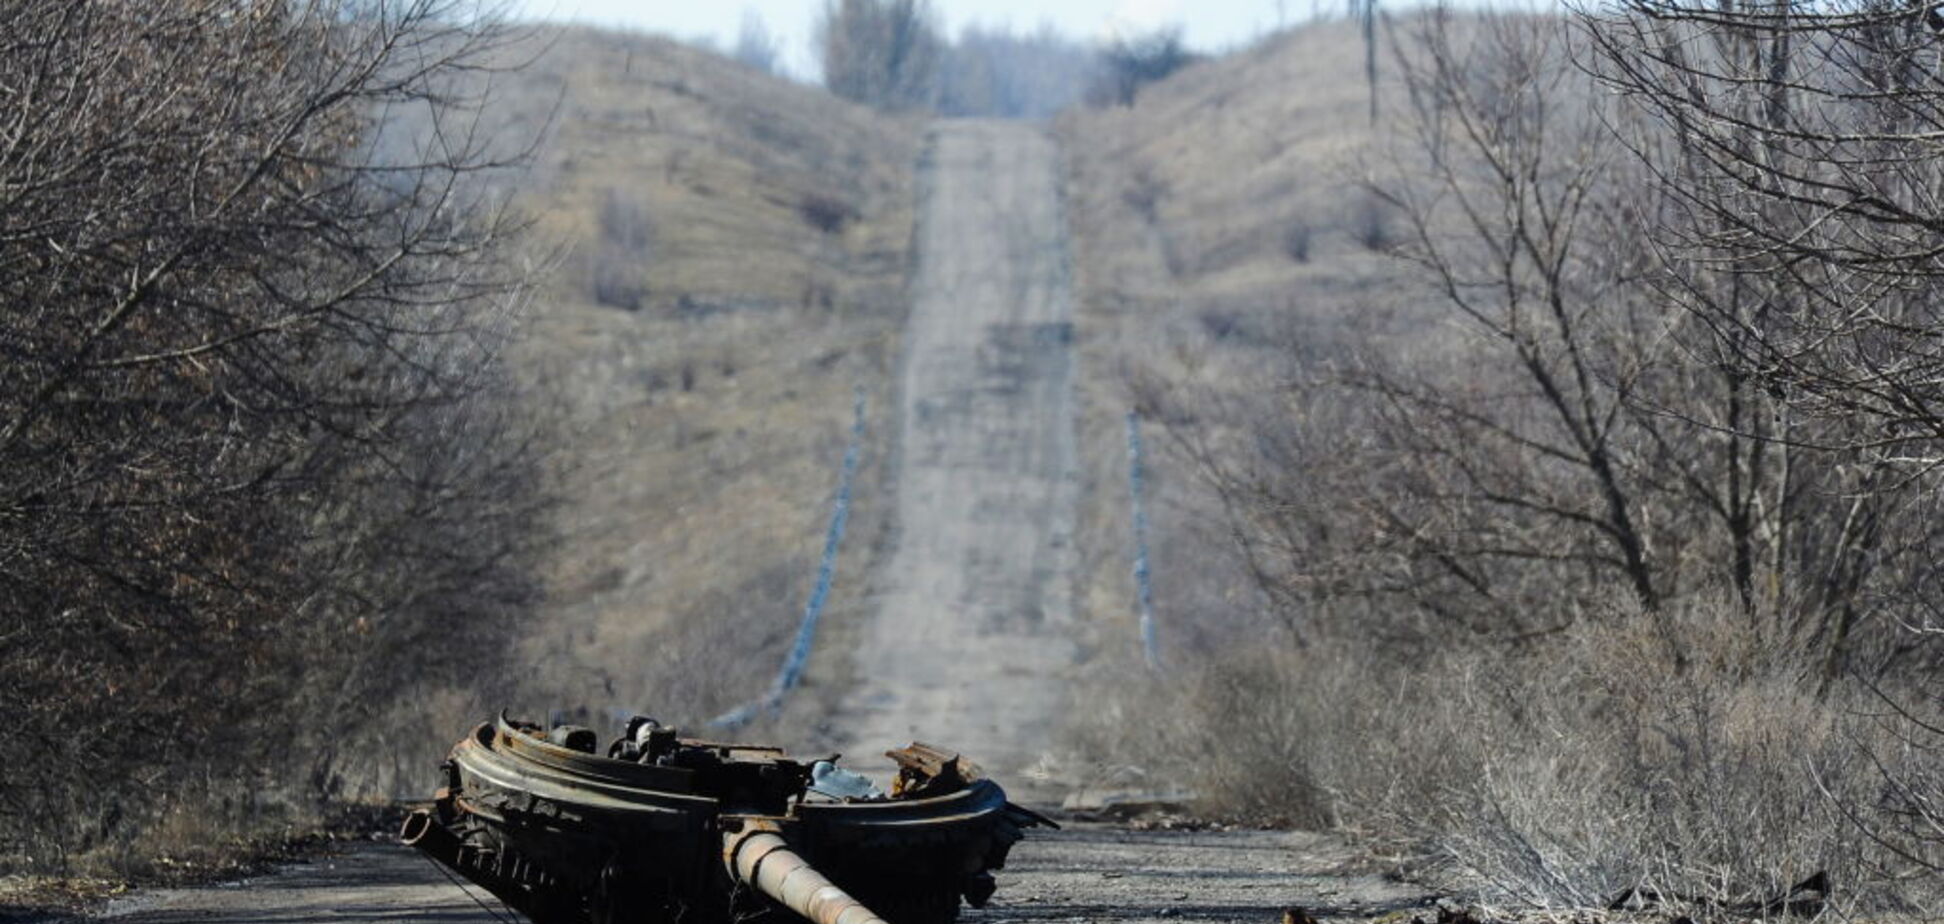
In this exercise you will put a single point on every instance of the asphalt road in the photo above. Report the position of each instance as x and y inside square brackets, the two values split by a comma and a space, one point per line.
[971, 640]
[1086, 874]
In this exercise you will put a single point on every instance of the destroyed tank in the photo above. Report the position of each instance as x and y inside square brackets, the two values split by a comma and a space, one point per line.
[677, 830]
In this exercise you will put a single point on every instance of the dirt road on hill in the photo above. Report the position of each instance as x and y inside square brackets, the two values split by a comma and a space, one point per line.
[972, 635]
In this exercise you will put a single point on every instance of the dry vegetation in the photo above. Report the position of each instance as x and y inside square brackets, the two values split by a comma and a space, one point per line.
[262, 454]
[1217, 229]
[894, 55]
[733, 268]
[1572, 453]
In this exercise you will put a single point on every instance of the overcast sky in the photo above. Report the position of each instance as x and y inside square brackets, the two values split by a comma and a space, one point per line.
[1210, 24]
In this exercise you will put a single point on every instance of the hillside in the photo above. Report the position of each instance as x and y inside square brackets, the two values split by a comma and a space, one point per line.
[1220, 237]
[736, 250]
[732, 264]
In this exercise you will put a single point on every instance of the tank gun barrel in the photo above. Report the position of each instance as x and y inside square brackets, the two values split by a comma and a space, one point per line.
[757, 856]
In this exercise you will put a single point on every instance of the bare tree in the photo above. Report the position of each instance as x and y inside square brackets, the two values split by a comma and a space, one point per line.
[1576, 433]
[1130, 62]
[1798, 144]
[996, 72]
[1801, 144]
[1518, 464]
[755, 46]
[882, 53]
[1366, 14]
[260, 448]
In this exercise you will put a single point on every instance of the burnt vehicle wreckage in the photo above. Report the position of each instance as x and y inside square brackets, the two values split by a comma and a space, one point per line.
[685, 831]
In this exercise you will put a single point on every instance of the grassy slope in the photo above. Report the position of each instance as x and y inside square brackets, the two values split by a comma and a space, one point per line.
[1223, 245]
[1187, 209]
[707, 425]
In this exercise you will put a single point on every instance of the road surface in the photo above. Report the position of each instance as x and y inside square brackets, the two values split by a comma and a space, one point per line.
[1087, 874]
[971, 641]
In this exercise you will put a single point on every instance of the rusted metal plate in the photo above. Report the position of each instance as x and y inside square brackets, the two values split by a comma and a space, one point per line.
[925, 769]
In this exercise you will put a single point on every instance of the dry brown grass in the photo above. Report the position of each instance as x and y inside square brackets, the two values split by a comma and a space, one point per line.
[1557, 777]
[729, 256]
[711, 421]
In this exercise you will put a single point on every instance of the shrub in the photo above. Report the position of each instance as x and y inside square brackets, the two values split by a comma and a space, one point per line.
[261, 454]
[826, 212]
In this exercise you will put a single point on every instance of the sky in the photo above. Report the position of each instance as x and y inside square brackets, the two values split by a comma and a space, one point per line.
[1210, 24]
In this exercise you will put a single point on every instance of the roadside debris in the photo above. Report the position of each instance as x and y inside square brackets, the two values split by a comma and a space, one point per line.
[1805, 899]
[828, 779]
[673, 829]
